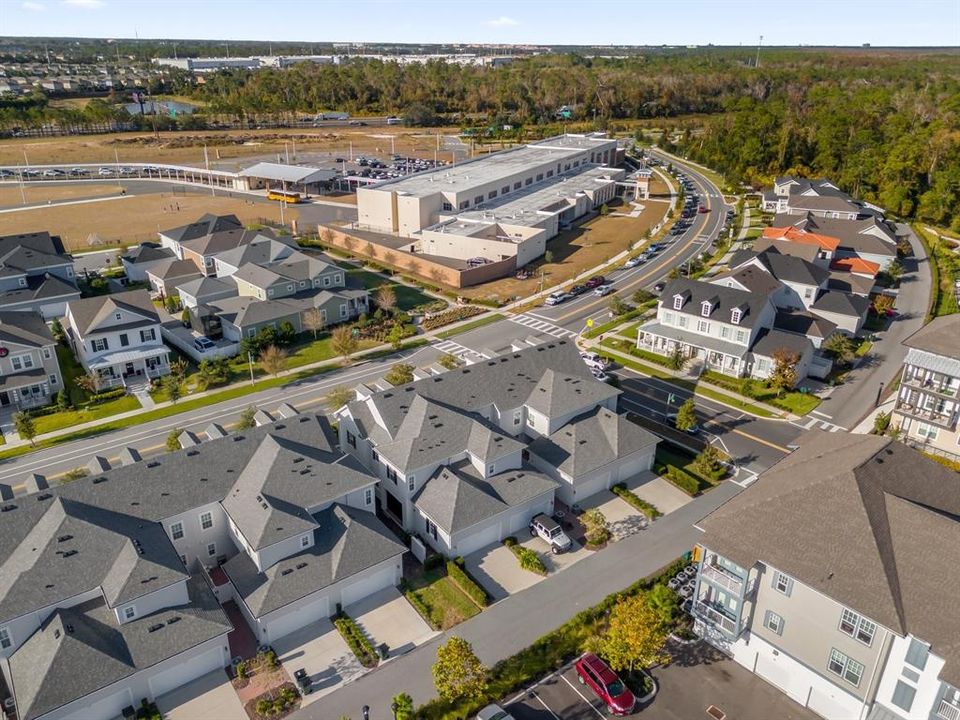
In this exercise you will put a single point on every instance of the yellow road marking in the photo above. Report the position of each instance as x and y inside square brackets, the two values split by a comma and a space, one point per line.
[747, 435]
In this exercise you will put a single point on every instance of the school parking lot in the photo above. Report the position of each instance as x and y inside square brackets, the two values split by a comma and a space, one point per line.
[700, 677]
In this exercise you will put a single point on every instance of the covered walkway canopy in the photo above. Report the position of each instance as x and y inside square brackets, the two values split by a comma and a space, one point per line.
[295, 174]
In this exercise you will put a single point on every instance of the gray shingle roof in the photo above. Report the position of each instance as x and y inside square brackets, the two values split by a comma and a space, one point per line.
[591, 442]
[849, 283]
[24, 328]
[724, 300]
[81, 649]
[866, 521]
[346, 542]
[174, 269]
[854, 235]
[941, 336]
[148, 252]
[770, 341]
[88, 313]
[207, 224]
[457, 498]
[804, 323]
[223, 240]
[842, 304]
[204, 286]
[40, 241]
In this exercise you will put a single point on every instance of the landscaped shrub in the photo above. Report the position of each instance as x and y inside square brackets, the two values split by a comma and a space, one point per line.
[434, 561]
[683, 480]
[529, 560]
[510, 541]
[466, 583]
[450, 316]
[636, 501]
[356, 641]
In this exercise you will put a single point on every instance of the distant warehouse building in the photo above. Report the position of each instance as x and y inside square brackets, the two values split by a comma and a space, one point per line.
[499, 209]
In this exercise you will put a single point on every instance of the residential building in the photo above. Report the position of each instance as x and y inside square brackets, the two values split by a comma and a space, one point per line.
[202, 251]
[137, 261]
[799, 196]
[117, 338]
[114, 583]
[206, 225]
[36, 274]
[928, 401]
[827, 578]
[870, 238]
[165, 276]
[467, 457]
[29, 371]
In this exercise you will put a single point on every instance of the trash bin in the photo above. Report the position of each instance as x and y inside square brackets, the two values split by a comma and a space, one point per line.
[383, 651]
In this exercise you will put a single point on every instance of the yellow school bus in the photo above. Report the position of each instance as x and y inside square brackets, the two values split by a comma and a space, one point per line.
[284, 196]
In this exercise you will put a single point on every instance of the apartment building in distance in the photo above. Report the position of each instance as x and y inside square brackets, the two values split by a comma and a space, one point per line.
[927, 410]
[819, 197]
[833, 578]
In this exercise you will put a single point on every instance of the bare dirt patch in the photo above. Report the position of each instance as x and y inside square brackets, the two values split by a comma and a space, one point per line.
[133, 219]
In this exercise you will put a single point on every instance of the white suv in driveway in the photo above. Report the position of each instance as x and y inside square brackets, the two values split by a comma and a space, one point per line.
[549, 530]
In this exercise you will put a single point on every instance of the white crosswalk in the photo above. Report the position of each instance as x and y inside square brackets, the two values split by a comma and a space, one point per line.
[820, 424]
[455, 348]
[542, 326]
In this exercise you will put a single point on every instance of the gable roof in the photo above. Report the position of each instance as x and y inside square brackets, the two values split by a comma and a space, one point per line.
[863, 519]
[591, 442]
[855, 265]
[346, 542]
[842, 304]
[41, 241]
[849, 283]
[223, 240]
[207, 224]
[170, 269]
[792, 233]
[941, 336]
[148, 252]
[24, 328]
[723, 298]
[772, 340]
[88, 313]
[806, 251]
[854, 235]
[804, 323]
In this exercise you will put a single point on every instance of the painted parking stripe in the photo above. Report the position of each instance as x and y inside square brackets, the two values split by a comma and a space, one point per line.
[545, 706]
[577, 691]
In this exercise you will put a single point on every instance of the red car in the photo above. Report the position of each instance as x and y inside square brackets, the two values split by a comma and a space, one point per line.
[595, 673]
[703, 209]
[596, 281]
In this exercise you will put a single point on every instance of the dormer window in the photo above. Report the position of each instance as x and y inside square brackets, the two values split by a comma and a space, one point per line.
[677, 302]
[705, 308]
[736, 315]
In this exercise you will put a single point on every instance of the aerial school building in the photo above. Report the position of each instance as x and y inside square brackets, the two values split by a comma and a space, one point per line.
[500, 209]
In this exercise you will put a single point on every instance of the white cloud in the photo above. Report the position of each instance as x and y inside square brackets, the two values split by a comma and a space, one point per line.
[33, 6]
[502, 21]
[86, 4]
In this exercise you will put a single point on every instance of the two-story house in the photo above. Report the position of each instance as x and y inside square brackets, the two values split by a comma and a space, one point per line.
[117, 338]
[204, 250]
[869, 238]
[29, 371]
[723, 326]
[146, 256]
[927, 410]
[113, 584]
[36, 274]
[799, 196]
[454, 451]
[826, 577]
[205, 225]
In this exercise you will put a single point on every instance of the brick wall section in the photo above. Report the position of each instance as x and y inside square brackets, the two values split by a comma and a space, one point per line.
[418, 265]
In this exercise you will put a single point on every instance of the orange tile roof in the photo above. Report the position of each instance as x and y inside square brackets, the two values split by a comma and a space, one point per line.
[856, 265]
[825, 242]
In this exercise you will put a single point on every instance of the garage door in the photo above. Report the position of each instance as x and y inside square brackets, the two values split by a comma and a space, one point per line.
[186, 671]
[591, 487]
[633, 467]
[313, 611]
[478, 540]
[777, 671]
[109, 707]
[368, 586]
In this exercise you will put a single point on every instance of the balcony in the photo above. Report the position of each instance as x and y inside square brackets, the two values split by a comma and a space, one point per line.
[719, 576]
[946, 420]
[940, 387]
[158, 371]
[714, 616]
[948, 711]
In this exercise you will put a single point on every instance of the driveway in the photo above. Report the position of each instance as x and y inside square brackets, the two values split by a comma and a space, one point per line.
[622, 519]
[209, 696]
[662, 494]
[388, 619]
[321, 651]
[496, 568]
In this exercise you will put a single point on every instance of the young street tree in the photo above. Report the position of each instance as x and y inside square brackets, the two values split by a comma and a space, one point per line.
[686, 416]
[246, 420]
[273, 360]
[784, 375]
[402, 706]
[23, 424]
[88, 383]
[386, 298]
[841, 346]
[618, 306]
[395, 336]
[173, 386]
[708, 462]
[343, 342]
[597, 530]
[635, 636]
[313, 321]
[882, 304]
[458, 673]
[677, 359]
[338, 397]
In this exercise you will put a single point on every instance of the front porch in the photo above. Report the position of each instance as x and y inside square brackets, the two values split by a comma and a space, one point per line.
[134, 367]
[707, 358]
[26, 390]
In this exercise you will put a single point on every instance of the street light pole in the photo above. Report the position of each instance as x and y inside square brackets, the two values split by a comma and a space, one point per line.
[879, 393]
[250, 361]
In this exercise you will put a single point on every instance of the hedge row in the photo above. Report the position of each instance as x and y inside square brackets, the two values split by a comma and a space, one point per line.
[419, 605]
[466, 583]
[357, 641]
[683, 480]
[636, 501]
[450, 316]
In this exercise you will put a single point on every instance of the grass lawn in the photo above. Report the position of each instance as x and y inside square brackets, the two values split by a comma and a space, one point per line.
[446, 603]
[470, 326]
[670, 455]
[68, 418]
[71, 369]
[407, 297]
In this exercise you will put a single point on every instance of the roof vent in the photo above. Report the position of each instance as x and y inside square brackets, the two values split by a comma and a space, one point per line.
[191, 453]
[279, 426]
[388, 395]
[164, 494]
[68, 627]
[69, 553]
[174, 619]
[44, 496]
[98, 480]
[153, 464]
[8, 507]
[154, 628]
[301, 566]
[287, 571]
[238, 438]
[64, 538]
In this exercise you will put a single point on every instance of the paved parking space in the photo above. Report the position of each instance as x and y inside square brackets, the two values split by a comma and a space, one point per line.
[622, 518]
[387, 618]
[209, 696]
[699, 677]
[660, 493]
[321, 651]
[496, 568]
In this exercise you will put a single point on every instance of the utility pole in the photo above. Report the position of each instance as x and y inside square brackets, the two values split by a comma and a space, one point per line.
[757, 63]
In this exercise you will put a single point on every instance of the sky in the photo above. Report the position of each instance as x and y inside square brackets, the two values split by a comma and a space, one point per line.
[613, 22]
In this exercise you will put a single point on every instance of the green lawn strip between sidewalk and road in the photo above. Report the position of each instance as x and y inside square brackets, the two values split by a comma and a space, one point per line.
[68, 418]
[697, 389]
[186, 405]
[473, 325]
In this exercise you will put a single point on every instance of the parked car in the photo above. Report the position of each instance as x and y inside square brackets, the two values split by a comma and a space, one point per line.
[549, 530]
[203, 343]
[703, 209]
[603, 290]
[659, 287]
[596, 281]
[105, 171]
[634, 261]
[578, 290]
[556, 298]
[494, 712]
[601, 376]
[597, 675]
[594, 361]
[53, 172]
